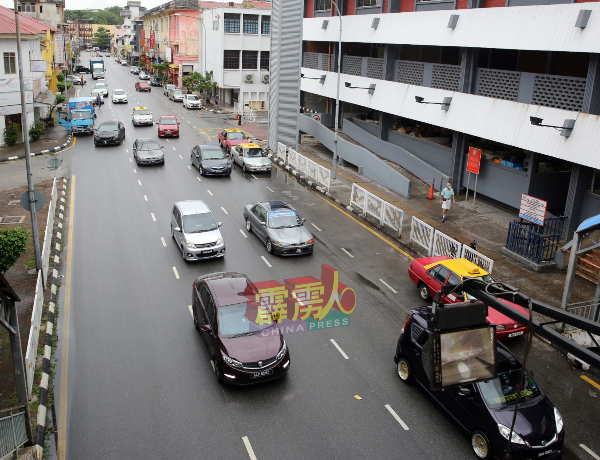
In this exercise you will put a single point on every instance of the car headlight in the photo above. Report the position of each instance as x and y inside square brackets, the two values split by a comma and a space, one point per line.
[500, 327]
[219, 240]
[281, 353]
[189, 244]
[505, 431]
[559, 420]
[311, 241]
[115, 137]
[232, 362]
[277, 243]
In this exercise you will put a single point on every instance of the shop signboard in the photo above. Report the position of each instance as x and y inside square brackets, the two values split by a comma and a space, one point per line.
[39, 66]
[152, 40]
[474, 160]
[59, 49]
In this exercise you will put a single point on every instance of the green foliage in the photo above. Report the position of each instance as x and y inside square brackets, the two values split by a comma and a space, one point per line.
[161, 69]
[12, 133]
[102, 38]
[60, 76]
[248, 5]
[60, 98]
[61, 86]
[13, 243]
[110, 16]
[169, 81]
[196, 82]
[37, 129]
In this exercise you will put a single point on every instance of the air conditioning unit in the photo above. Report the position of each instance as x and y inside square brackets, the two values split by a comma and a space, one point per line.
[249, 78]
[265, 78]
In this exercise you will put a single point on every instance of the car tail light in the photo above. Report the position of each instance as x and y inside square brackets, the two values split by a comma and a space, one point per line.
[404, 327]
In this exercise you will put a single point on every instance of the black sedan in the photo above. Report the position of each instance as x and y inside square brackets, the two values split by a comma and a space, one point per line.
[81, 69]
[109, 133]
[210, 160]
[155, 81]
[485, 410]
[147, 151]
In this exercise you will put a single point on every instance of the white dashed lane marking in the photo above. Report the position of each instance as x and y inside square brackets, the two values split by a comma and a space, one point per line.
[242, 232]
[180, 157]
[175, 271]
[139, 182]
[145, 198]
[266, 261]
[347, 252]
[190, 309]
[254, 176]
[388, 286]
[153, 218]
[316, 227]
[269, 189]
[199, 180]
[398, 419]
[339, 349]
[224, 210]
[134, 170]
[209, 192]
[249, 448]
[163, 241]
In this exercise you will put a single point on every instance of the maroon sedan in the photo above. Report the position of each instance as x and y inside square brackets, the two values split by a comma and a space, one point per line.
[242, 350]
[168, 126]
[142, 86]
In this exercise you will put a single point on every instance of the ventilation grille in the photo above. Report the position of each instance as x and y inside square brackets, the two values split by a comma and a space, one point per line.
[558, 92]
[352, 65]
[499, 84]
[445, 77]
[325, 62]
[311, 60]
[410, 72]
[375, 68]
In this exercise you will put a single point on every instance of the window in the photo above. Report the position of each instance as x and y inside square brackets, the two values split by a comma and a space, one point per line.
[322, 5]
[362, 3]
[58, 8]
[9, 63]
[265, 25]
[231, 59]
[250, 23]
[232, 23]
[40, 8]
[264, 60]
[249, 59]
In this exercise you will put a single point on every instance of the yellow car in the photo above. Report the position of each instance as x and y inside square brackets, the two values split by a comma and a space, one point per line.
[251, 157]
[230, 137]
[142, 116]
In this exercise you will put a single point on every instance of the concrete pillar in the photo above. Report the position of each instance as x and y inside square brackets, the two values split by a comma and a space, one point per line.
[570, 272]
[385, 122]
[581, 177]
[390, 56]
[591, 97]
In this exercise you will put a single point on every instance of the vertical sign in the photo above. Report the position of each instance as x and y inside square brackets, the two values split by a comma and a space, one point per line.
[533, 209]
[474, 160]
[152, 40]
[59, 49]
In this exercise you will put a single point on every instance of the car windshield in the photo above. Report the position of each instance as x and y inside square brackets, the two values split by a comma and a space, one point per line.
[502, 391]
[81, 115]
[177, 91]
[216, 154]
[142, 112]
[254, 153]
[118, 92]
[103, 128]
[148, 146]
[168, 121]
[192, 98]
[233, 321]
[198, 223]
[284, 219]
[236, 136]
[100, 86]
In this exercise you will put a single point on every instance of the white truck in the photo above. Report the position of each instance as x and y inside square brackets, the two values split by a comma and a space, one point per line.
[97, 68]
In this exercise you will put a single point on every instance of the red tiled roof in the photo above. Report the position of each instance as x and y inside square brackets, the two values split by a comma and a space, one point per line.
[28, 26]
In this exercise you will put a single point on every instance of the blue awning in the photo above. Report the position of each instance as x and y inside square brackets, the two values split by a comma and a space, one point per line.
[589, 223]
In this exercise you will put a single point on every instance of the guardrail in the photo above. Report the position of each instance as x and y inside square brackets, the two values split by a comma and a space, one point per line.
[437, 243]
[310, 168]
[386, 213]
[281, 152]
[588, 309]
[13, 432]
[34, 333]
[48, 234]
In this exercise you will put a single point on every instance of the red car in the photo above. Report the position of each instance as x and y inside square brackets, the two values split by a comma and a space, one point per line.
[142, 86]
[168, 126]
[231, 137]
[430, 273]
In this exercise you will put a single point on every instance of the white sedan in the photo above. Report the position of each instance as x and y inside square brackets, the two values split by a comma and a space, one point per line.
[101, 86]
[119, 95]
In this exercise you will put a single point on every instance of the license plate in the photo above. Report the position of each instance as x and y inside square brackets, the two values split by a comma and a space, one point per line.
[262, 374]
[218, 171]
[298, 250]
[516, 334]
[206, 252]
[541, 454]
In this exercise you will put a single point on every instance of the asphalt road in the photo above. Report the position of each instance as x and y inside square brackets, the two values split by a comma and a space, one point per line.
[140, 384]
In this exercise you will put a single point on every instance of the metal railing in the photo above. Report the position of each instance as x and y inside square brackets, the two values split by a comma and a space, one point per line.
[386, 213]
[281, 152]
[13, 433]
[535, 242]
[310, 168]
[34, 333]
[588, 309]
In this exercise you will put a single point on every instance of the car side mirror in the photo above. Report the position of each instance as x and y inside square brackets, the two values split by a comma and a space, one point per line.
[303, 219]
[465, 392]
[219, 224]
[264, 224]
[206, 328]
[162, 146]
[176, 229]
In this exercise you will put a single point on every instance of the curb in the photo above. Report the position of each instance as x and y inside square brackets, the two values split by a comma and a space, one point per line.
[43, 401]
[53, 150]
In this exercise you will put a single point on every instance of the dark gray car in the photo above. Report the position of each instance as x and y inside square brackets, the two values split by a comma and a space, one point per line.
[148, 151]
[210, 160]
[279, 227]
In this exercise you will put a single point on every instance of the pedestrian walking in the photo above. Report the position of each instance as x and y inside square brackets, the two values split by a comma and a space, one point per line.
[217, 101]
[98, 101]
[82, 80]
[446, 195]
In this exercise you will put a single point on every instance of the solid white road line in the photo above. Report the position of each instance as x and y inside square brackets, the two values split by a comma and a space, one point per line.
[270, 190]
[347, 252]
[398, 419]
[316, 227]
[153, 218]
[175, 271]
[145, 198]
[134, 170]
[224, 210]
[254, 176]
[190, 309]
[589, 451]
[249, 448]
[388, 286]
[199, 180]
[266, 261]
[163, 241]
[339, 349]
[139, 182]
[242, 232]
[209, 192]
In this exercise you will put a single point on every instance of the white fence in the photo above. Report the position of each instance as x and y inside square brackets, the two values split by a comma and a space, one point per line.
[386, 213]
[310, 168]
[34, 332]
[439, 244]
[48, 235]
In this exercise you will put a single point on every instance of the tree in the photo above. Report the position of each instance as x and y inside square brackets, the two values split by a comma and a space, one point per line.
[196, 82]
[161, 69]
[111, 16]
[13, 243]
[102, 38]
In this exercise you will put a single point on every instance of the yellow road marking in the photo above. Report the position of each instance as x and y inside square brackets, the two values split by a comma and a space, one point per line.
[590, 381]
[64, 372]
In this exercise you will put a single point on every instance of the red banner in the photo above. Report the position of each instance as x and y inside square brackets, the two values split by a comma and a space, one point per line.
[152, 40]
[474, 160]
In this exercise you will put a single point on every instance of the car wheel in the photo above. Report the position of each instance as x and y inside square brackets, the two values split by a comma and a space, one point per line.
[424, 292]
[183, 253]
[404, 370]
[244, 167]
[248, 226]
[217, 371]
[481, 445]
[269, 247]
[172, 233]
[196, 325]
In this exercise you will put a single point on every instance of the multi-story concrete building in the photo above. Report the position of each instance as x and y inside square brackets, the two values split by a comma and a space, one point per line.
[238, 43]
[130, 14]
[50, 12]
[495, 63]
[82, 31]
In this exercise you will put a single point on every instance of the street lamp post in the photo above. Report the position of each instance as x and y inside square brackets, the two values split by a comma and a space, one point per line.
[337, 97]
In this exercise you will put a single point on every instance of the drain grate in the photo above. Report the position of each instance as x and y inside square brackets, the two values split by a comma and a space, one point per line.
[12, 219]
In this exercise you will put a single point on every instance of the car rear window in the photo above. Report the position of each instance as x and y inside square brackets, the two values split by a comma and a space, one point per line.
[168, 121]
[142, 112]
[236, 136]
[232, 290]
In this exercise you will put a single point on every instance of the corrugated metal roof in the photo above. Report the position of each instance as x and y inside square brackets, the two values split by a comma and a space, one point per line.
[28, 26]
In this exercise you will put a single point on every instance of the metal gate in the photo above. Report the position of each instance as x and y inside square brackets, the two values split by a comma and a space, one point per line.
[535, 242]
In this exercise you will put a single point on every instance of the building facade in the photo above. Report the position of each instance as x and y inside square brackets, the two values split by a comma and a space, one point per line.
[495, 64]
[49, 12]
[132, 23]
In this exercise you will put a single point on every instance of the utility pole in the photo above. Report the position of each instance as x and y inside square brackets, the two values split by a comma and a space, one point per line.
[34, 224]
